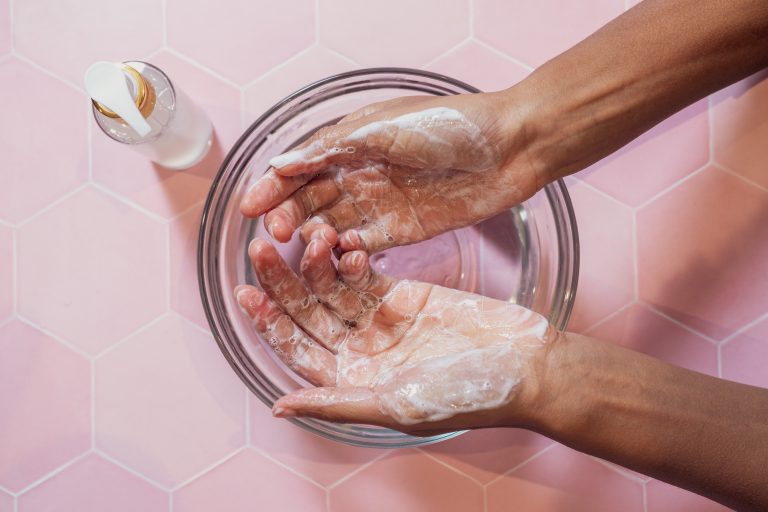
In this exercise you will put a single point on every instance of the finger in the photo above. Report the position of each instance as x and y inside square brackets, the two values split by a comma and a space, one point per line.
[341, 405]
[285, 288]
[371, 238]
[290, 343]
[340, 216]
[283, 220]
[321, 277]
[355, 269]
[268, 191]
[437, 137]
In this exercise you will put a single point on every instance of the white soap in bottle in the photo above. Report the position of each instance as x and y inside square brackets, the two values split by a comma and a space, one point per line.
[135, 103]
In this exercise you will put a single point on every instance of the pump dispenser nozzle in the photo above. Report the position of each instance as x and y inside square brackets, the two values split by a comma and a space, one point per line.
[108, 84]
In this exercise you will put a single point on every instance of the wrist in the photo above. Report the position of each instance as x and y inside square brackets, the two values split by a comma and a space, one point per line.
[557, 397]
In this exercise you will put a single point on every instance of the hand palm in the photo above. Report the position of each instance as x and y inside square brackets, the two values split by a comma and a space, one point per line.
[397, 352]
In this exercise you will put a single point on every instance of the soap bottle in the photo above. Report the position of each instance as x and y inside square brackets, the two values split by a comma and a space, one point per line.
[136, 104]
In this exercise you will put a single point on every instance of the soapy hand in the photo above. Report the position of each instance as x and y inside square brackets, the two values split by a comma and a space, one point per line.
[399, 172]
[407, 355]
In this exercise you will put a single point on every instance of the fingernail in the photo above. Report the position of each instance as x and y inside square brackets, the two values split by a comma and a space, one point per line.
[356, 260]
[270, 229]
[279, 412]
[291, 157]
[250, 245]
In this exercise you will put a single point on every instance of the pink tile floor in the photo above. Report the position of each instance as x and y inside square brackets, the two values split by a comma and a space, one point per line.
[112, 393]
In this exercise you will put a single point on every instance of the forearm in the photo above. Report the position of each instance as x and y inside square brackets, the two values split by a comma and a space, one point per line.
[698, 432]
[636, 71]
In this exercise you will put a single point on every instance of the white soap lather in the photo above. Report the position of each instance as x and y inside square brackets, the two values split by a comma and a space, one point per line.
[135, 103]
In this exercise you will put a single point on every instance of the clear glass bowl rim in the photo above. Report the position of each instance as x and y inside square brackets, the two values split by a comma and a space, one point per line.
[557, 196]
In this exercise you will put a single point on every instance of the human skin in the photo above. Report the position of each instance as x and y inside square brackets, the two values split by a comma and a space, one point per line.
[701, 433]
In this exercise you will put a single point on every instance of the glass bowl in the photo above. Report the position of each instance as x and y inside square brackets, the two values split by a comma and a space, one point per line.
[527, 255]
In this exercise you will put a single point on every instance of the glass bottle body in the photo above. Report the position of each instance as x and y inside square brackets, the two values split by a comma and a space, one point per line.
[181, 133]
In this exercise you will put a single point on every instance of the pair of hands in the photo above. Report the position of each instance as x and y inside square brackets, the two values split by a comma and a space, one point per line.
[407, 355]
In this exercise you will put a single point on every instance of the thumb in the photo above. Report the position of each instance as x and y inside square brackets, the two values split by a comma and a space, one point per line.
[342, 405]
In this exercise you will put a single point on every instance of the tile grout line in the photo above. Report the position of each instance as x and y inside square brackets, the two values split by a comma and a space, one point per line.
[51, 74]
[744, 328]
[137, 207]
[104, 455]
[711, 129]
[53, 473]
[739, 176]
[317, 22]
[247, 410]
[645, 496]
[608, 318]
[53, 204]
[296, 472]
[327, 500]
[93, 404]
[135, 332]
[520, 465]
[279, 66]
[448, 466]
[672, 186]
[635, 257]
[15, 270]
[680, 324]
[601, 193]
[340, 55]
[164, 21]
[242, 110]
[446, 52]
[167, 230]
[202, 67]
[59, 339]
[471, 18]
[622, 471]
[12, 29]
[358, 470]
[89, 142]
[719, 353]
[503, 55]
[207, 469]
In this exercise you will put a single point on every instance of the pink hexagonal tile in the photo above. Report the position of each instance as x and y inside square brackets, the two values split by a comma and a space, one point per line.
[740, 130]
[480, 66]
[247, 38]
[41, 160]
[641, 329]
[486, 454]
[320, 459]
[663, 497]
[185, 294]
[6, 272]
[91, 270]
[6, 502]
[5, 27]
[247, 482]
[167, 404]
[657, 159]
[564, 480]
[537, 31]
[163, 191]
[702, 250]
[67, 37]
[606, 273]
[311, 65]
[45, 403]
[394, 33]
[407, 481]
[92, 485]
[745, 357]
